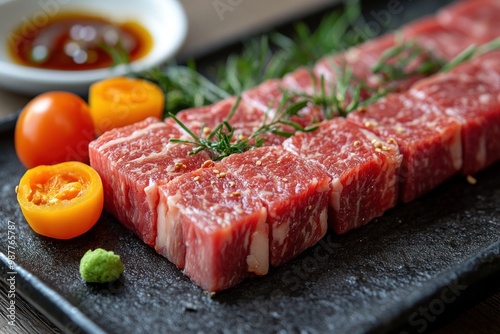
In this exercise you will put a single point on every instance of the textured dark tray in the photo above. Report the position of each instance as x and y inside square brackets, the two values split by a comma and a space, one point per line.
[401, 271]
[376, 278]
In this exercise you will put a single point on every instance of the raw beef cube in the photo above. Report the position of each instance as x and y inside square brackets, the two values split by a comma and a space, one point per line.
[445, 42]
[203, 119]
[117, 134]
[485, 67]
[476, 105]
[115, 144]
[294, 191]
[219, 228]
[327, 68]
[363, 168]
[361, 60]
[478, 19]
[108, 149]
[265, 97]
[116, 147]
[429, 141]
[303, 80]
[268, 97]
[131, 167]
[245, 120]
[145, 174]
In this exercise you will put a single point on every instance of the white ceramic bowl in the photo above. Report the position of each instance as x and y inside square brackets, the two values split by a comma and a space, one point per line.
[164, 19]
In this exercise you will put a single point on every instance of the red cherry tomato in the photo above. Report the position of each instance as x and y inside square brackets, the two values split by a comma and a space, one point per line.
[54, 127]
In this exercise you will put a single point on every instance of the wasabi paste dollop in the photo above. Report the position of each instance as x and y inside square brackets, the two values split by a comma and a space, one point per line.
[100, 266]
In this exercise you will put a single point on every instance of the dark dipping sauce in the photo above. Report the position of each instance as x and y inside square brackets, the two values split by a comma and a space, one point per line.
[75, 41]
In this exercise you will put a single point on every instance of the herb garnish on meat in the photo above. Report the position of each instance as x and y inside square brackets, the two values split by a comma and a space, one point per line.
[221, 141]
[345, 96]
[270, 56]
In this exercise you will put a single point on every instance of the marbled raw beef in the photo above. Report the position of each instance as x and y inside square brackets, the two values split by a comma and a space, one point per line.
[294, 191]
[478, 19]
[476, 105]
[445, 42]
[132, 161]
[429, 140]
[245, 120]
[364, 170]
[217, 228]
[268, 97]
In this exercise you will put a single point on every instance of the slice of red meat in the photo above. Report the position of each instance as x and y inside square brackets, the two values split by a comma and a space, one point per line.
[245, 120]
[219, 228]
[132, 161]
[429, 140]
[360, 59]
[476, 105]
[114, 148]
[203, 119]
[485, 67]
[105, 151]
[478, 19]
[445, 41]
[294, 191]
[268, 97]
[363, 168]
[303, 80]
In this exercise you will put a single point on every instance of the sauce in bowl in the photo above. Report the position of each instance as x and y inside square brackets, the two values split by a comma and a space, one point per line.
[74, 41]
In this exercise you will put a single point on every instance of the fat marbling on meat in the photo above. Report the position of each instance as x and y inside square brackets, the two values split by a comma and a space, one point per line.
[429, 141]
[475, 104]
[364, 170]
[132, 161]
[294, 192]
[213, 228]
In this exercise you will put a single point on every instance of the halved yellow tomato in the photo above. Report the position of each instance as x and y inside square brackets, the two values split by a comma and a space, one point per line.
[61, 201]
[120, 101]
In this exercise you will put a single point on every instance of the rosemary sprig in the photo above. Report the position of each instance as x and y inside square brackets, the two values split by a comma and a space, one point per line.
[282, 119]
[334, 33]
[184, 87]
[274, 55]
[345, 95]
[471, 52]
[221, 142]
[341, 98]
[270, 56]
[394, 63]
[247, 69]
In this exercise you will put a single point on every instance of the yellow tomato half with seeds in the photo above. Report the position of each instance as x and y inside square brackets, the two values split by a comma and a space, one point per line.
[61, 201]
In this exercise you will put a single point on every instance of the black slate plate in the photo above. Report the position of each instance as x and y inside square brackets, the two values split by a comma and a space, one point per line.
[401, 271]
[425, 253]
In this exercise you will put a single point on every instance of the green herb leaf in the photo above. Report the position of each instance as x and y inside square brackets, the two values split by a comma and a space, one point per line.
[394, 64]
[471, 52]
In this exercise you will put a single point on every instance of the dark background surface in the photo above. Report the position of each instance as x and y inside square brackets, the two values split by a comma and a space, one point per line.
[412, 270]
